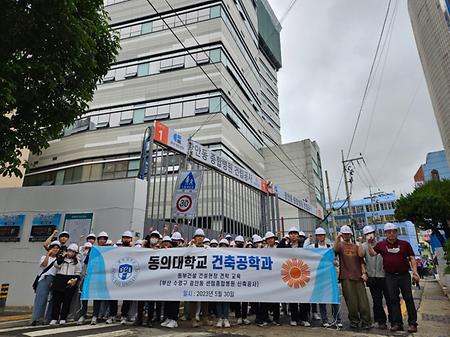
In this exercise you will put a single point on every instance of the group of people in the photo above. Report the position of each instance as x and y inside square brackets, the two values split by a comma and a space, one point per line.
[383, 266]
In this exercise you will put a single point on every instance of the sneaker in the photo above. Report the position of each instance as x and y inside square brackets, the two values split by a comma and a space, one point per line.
[263, 324]
[293, 323]
[62, 321]
[219, 323]
[246, 321]
[166, 321]
[81, 320]
[305, 323]
[412, 328]
[326, 325]
[94, 320]
[226, 323]
[123, 321]
[239, 321]
[172, 324]
[110, 320]
[339, 325]
[53, 322]
[316, 316]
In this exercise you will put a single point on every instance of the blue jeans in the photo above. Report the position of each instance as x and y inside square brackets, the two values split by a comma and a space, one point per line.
[41, 299]
[223, 309]
[334, 310]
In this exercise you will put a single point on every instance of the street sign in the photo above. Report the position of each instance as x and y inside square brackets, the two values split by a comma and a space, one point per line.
[185, 196]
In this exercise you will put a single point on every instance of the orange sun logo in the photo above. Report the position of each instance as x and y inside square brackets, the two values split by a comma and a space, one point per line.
[295, 273]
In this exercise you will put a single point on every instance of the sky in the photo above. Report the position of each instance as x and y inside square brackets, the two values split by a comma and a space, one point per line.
[327, 49]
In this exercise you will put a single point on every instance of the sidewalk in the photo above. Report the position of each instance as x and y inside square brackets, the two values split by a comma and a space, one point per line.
[434, 312]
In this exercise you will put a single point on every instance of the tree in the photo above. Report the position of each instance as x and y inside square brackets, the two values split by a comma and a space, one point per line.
[52, 54]
[428, 207]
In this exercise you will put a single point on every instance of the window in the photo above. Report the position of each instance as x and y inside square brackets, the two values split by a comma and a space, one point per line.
[215, 12]
[158, 25]
[138, 116]
[103, 121]
[151, 113]
[188, 108]
[166, 64]
[114, 119]
[120, 74]
[73, 175]
[176, 110]
[214, 55]
[133, 168]
[202, 57]
[131, 71]
[110, 76]
[146, 27]
[201, 106]
[154, 67]
[96, 172]
[191, 17]
[203, 14]
[59, 179]
[178, 62]
[125, 32]
[135, 30]
[214, 104]
[126, 117]
[143, 69]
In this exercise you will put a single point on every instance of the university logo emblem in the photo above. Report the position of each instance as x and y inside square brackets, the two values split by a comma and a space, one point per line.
[125, 272]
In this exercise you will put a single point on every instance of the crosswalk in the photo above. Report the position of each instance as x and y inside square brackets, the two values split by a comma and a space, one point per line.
[99, 330]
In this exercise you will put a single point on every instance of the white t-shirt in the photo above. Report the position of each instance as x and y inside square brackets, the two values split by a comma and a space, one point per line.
[51, 271]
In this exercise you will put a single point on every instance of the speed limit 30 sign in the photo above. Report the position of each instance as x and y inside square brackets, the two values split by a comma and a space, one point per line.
[184, 203]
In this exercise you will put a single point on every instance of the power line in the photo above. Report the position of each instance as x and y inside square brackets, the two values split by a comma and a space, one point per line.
[369, 79]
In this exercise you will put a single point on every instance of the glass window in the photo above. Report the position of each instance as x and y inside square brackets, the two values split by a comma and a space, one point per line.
[146, 27]
[157, 25]
[103, 121]
[121, 166]
[125, 32]
[214, 55]
[135, 30]
[214, 104]
[131, 71]
[170, 21]
[176, 110]
[203, 14]
[201, 106]
[151, 113]
[202, 57]
[178, 62]
[166, 64]
[138, 116]
[59, 179]
[188, 108]
[215, 12]
[120, 74]
[114, 119]
[190, 61]
[154, 67]
[180, 19]
[143, 69]
[133, 164]
[191, 17]
[126, 117]
[96, 172]
[164, 109]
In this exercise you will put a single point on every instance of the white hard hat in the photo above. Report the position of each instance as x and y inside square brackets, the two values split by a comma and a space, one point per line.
[269, 235]
[239, 238]
[253, 236]
[166, 239]
[102, 235]
[293, 230]
[176, 236]
[206, 240]
[88, 245]
[64, 233]
[346, 230]
[199, 232]
[257, 239]
[214, 241]
[91, 235]
[224, 241]
[155, 233]
[390, 226]
[368, 229]
[320, 231]
[127, 234]
[55, 243]
[73, 247]
[301, 233]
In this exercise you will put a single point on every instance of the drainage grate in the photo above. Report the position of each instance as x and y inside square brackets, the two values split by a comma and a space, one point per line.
[436, 318]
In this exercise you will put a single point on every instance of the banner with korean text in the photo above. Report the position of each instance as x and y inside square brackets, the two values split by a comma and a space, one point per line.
[214, 274]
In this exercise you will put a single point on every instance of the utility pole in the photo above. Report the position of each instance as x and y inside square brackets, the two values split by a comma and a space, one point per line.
[349, 201]
[333, 220]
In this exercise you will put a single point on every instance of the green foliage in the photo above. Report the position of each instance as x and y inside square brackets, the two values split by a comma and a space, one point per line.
[428, 207]
[52, 54]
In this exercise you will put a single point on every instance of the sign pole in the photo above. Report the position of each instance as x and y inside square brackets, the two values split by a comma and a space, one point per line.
[149, 137]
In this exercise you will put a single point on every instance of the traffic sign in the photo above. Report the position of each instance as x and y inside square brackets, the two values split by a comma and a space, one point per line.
[184, 203]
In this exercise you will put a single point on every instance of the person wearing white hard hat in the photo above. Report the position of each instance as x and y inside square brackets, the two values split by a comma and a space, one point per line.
[206, 242]
[63, 239]
[398, 260]
[64, 286]
[127, 239]
[377, 277]
[214, 243]
[265, 307]
[177, 239]
[197, 240]
[352, 277]
[239, 241]
[299, 311]
[258, 241]
[43, 282]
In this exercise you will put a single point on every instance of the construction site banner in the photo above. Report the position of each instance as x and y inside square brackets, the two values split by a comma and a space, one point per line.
[213, 274]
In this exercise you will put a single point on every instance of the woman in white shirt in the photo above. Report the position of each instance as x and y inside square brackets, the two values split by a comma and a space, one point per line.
[46, 275]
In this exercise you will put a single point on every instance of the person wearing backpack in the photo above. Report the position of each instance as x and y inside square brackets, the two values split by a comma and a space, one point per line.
[65, 283]
[43, 282]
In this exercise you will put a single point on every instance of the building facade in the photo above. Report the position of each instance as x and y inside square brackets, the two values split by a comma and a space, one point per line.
[431, 25]
[435, 168]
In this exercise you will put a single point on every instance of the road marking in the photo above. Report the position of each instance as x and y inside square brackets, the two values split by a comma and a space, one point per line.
[112, 333]
[55, 331]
